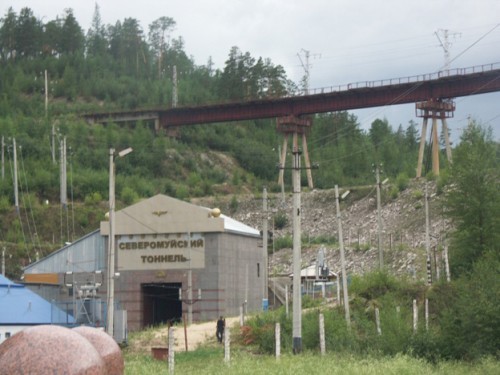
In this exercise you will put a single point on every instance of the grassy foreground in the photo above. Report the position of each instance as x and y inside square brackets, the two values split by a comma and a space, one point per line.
[210, 360]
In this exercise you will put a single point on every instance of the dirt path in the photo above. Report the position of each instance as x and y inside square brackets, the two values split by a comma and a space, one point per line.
[197, 334]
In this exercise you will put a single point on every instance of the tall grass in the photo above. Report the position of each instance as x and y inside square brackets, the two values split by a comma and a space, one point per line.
[209, 361]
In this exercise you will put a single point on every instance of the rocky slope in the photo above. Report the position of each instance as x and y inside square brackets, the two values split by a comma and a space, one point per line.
[403, 237]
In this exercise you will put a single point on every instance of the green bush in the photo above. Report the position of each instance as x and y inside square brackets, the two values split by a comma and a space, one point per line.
[280, 220]
[285, 242]
[374, 284]
[442, 181]
[418, 195]
[402, 181]
[5, 204]
[181, 192]
[129, 196]
[362, 247]
[469, 322]
[322, 240]
[430, 176]
[394, 193]
[463, 319]
[93, 198]
[233, 205]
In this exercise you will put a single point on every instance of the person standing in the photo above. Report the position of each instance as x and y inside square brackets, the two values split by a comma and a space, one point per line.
[221, 325]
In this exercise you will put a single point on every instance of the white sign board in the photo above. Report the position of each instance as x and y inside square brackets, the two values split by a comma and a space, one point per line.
[160, 251]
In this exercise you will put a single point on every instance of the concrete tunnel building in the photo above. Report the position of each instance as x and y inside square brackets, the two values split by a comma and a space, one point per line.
[158, 243]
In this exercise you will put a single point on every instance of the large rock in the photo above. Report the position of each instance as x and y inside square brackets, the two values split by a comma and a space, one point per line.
[49, 349]
[106, 346]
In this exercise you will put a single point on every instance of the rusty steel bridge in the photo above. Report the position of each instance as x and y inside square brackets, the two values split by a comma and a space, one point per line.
[435, 86]
[432, 94]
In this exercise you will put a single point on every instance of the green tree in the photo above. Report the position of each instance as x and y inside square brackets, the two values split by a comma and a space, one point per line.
[469, 311]
[411, 136]
[72, 38]
[96, 36]
[28, 34]
[473, 201]
[235, 80]
[126, 45]
[52, 38]
[8, 35]
[158, 38]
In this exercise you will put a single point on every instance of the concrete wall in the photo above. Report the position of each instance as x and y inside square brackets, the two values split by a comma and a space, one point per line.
[241, 273]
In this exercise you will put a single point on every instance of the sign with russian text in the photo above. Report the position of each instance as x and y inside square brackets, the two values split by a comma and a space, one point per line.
[160, 251]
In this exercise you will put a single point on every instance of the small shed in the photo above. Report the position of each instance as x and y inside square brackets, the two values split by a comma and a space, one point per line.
[318, 281]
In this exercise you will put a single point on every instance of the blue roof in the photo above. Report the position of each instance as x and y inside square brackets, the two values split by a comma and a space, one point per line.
[4, 281]
[21, 306]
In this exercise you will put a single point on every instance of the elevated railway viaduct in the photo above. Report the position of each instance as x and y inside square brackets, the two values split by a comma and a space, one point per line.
[432, 94]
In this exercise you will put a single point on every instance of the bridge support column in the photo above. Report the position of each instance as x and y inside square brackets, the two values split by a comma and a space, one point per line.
[446, 139]
[435, 147]
[434, 109]
[421, 148]
[296, 126]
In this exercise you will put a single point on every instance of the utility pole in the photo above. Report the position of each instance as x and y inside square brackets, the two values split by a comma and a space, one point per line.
[342, 261]
[64, 193]
[306, 67]
[379, 221]
[53, 133]
[296, 221]
[175, 97]
[111, 247]
[264, 243]
[53, 143]
[190, 285]
[446, 45]
[3, 157]
[111, 241]
[281, 180]
[3, 261]
[427, 238]
[46, 95]
[16, 189]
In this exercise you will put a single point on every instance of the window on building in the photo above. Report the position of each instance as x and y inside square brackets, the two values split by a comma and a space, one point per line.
[7, 335]
[258, 269]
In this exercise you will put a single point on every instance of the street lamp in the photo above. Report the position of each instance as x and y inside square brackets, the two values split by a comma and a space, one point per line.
[111, 240]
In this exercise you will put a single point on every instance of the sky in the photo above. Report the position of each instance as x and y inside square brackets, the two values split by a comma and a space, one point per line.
[347, 40]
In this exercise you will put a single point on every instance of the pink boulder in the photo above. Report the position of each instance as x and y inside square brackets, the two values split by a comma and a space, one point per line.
[49, 349]
[106, 346]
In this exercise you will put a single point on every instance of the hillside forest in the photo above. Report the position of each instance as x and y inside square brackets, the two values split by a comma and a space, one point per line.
[125, 66]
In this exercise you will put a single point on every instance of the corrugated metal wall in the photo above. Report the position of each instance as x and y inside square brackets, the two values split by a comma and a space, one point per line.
[88, 254]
